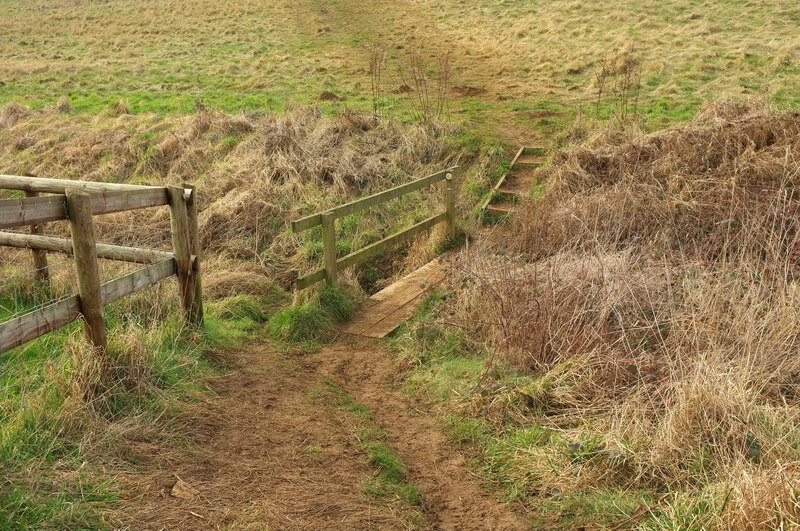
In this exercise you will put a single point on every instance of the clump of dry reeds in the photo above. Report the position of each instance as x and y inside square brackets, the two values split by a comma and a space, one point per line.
[653, 289]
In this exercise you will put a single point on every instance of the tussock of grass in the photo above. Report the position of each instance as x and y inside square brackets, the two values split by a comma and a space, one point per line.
[338, 303]
[256, 309]
[66, 414]
[312, 320]
[299, 323]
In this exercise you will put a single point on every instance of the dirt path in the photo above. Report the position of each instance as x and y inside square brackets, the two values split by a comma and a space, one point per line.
[451, 498]
[266, 455]
[270, 454]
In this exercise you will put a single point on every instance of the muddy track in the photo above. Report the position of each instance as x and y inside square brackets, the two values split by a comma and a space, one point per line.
[267, 454]
[451, 496]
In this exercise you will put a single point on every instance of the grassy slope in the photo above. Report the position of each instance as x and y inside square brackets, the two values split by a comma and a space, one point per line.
[60, 430]
[628, 359]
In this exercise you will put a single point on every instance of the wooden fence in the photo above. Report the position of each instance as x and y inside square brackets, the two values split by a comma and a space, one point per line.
[327, 219]
[77, 202]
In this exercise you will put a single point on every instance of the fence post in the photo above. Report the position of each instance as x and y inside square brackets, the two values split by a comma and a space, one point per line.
[182, 248]
[450, 202]
[39, 256]
[192, 207]
[79, 210]
[329, 247]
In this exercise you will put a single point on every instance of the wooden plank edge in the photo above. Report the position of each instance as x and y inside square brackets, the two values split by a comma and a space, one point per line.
[18, 331]
[32, 210]
[311, 278]
[60, 186]
[44, 209]
[27, 327]
[433, 273]
[137, 281]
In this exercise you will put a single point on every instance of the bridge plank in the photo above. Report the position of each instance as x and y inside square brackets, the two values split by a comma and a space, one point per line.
[386, 310]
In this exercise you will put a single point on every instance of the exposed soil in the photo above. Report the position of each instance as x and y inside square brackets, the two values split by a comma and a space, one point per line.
[451, 498]
[267, 454]
[329, 96]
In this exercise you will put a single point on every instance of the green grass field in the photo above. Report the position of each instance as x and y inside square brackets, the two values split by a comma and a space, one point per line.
[516, 66]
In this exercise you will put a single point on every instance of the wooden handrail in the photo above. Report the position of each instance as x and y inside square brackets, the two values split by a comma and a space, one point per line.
[371, 250]
[327, 219]
[358, 205]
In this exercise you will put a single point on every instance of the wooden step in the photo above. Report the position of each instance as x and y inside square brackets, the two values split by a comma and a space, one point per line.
[500, 210]
[509, 195]
[516, 183]
[529, 161]
[537, 151]
[531, 157]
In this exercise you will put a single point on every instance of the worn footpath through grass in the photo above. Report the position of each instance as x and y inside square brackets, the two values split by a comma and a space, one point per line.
[323, 440]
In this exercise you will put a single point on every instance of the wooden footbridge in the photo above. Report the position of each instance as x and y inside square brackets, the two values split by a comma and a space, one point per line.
[389, 308]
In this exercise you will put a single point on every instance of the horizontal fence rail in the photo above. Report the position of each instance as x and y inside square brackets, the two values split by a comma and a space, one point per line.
[36, 210]
[77, 202]
[64, 246]
[18, 331]
[60, 186]
[327, 219]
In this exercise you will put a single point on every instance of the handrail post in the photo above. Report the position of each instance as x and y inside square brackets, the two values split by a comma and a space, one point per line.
[329, 247]
[79, 210]
[196, 250]
[39, 256]
[450, 202]
[182, 249]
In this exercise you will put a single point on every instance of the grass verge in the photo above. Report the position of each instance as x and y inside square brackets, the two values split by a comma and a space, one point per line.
[514, 456]
[62, 423]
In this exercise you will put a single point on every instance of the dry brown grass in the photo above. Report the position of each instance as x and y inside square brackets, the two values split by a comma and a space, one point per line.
[254, 173]
[653, 290]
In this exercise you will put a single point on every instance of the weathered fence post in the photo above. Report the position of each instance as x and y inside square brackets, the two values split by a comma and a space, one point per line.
[182, 248]
[329, 247]
[79, 210]
[192, 207]
[39, 256]
[450, 202]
